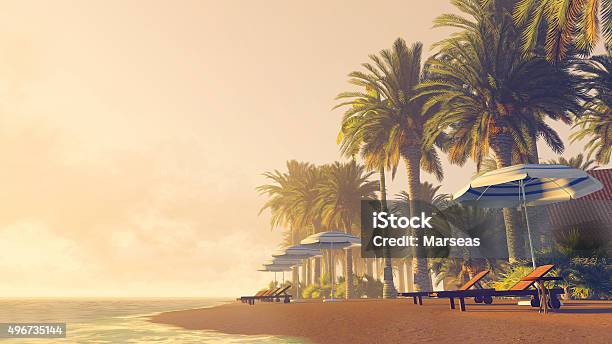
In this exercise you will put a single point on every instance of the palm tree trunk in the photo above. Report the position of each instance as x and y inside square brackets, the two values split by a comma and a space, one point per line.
[368, 267]
[400, 273]
[317, 270]
[348, 273]
[294, 280]
[294, 271]
[501, 144]
[303, 277]
[389, 291]
[409, 275]
[412, 159]
[538, 217]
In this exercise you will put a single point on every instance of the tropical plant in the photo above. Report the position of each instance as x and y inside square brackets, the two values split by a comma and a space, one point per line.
[462, 263]
[364, 134]
[588, 278]
[596, 123]
[577, 161]
[567, 26]
[488, 96]
[339, 201]
[385, 119]
[581, 255]
[429, 193]
[291, 197]
[512, 275]
[487, 165]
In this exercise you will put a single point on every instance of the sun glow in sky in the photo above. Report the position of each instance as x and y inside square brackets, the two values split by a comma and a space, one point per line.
[133, 134]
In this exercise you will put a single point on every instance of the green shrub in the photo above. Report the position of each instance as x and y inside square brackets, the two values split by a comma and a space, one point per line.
[307, 293]
[588, 278]
[514, 273]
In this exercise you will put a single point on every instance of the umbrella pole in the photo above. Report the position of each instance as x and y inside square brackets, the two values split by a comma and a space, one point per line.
[297, 267]
[522, 186]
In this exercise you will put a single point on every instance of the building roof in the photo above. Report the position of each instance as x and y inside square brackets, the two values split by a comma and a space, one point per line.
[605, 177]
[595, 208]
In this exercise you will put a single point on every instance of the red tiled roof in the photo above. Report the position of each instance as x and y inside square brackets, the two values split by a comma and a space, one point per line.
[605, 177]
[595, 207]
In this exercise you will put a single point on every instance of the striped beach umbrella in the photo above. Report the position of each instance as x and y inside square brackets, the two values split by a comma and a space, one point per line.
[527, 185]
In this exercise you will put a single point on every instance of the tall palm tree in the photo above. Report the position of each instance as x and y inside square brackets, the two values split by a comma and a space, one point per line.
[363, 133]
[577, 161]
[596, 123]
[567, 25]
[290, 200]
[339, 202]
[394, 122]
[490, 97]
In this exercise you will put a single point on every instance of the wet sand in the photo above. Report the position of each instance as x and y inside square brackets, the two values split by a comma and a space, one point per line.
[400, 321]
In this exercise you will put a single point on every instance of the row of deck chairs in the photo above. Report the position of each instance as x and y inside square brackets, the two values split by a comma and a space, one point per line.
[268, 295]
[530, 285]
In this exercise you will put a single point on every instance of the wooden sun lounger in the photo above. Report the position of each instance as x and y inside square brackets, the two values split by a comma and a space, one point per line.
[246, 299]
[474, 282]
[541, 296]
[274, 294]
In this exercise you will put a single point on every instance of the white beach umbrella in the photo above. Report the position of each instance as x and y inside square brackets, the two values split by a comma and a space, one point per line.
[298, 252]
[331, 240]
[281, 261]
[527, 185]
[276, 267]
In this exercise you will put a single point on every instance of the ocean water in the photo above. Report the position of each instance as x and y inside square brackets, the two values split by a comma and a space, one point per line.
[117, 321]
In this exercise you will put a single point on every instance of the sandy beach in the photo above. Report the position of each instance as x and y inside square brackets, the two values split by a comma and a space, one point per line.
[400, 321]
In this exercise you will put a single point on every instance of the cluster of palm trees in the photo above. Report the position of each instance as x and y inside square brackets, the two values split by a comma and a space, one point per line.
[308, 199]
[487, 94]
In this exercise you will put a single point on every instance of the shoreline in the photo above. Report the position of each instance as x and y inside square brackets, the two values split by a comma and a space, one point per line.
[394, 321]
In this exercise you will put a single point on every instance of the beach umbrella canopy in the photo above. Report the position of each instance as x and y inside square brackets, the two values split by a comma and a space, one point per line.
[527, 185]
[331, 240]
[297, 252]
[281, 261]
[532, 184]
[275, 268]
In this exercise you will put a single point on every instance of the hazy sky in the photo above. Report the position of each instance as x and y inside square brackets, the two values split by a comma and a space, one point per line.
[133, 133]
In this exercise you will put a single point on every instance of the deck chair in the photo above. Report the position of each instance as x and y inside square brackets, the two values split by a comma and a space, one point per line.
[265, 292]
[474, 282]
[277, 295]
[273, 294]
[524, 287]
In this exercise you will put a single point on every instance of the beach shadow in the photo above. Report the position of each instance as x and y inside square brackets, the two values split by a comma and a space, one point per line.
[585, 311]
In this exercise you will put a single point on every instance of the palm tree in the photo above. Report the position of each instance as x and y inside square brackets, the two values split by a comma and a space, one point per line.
[491, 97]
[363, 133]
[290, 200]
[339, 202]
[393, 121]
[577, 161]
[429, 193]
[567, 25]
[596, 123]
